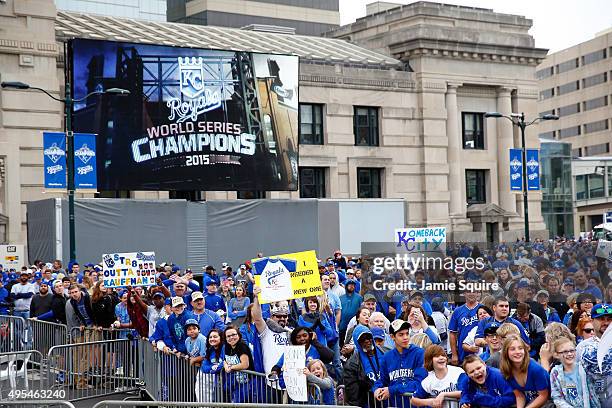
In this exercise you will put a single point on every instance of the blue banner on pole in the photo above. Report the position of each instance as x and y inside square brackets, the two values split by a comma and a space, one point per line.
[533, 169]
[85, 174]
[516, 170]
[54, 151]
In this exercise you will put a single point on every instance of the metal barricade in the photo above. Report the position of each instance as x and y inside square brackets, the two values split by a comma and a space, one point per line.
[19, 379]
[93, 369]
[46, 335]
[25, 403]
[159, 404]
[95, 334]
[13, 333]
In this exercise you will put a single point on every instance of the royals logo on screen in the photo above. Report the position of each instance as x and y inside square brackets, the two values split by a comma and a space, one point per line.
[192, 76]
[54, 153]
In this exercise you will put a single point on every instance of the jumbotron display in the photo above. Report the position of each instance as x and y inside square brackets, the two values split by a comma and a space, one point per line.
[195, 119]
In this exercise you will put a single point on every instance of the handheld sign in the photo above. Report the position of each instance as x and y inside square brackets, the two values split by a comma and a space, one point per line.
[129, 269]
[287, 276]
[293, 373]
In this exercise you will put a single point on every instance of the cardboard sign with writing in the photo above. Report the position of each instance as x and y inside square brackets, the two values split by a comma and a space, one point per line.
[287, 276]
[129, 269]
[293, 373]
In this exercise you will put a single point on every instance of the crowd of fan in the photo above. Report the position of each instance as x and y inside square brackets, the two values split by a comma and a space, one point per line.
[530, 342]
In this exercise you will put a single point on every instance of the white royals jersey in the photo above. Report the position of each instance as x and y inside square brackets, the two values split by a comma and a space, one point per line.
[275, 278]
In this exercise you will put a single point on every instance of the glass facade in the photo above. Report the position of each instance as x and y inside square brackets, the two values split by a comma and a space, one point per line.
[557, 199]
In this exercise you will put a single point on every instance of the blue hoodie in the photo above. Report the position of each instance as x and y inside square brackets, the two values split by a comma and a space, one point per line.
[162, 332]
[401, 373]
[371, 364]
[499, 393]
[176, 326]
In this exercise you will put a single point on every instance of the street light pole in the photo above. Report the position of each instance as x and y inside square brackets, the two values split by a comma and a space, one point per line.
[522, 125]
[68, 102]
[519, 121]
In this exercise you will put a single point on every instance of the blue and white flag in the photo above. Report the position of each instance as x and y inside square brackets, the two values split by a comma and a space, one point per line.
[85, 174]
[516, 170]
[533, 169]
[54, 151]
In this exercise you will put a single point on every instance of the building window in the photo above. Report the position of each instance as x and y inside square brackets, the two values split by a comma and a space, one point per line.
[569, 87]
[610, 181]
[365, 122]
[473, 134]
[368, 183]
[251, 195]
[581, 190]
[569, 132]
[547, 135]
[548, 112]
[598, 149]
[596, 185]
[593, 57]
[475, 186]
[595, 80]
[545, 73]
[312, 182]
[569, 109]
[596, 126]
[567, 65]
[311, 124]
[596, 103]
[547, 93]
[577, 152]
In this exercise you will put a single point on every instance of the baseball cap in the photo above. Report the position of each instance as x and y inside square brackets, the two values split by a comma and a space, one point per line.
[350, 272]
[416, 294]
[490, 328]
[349, 282]
[279, 308]
[378, 333]
[209, 268]
[329, 263]
[242, 266]
[224, 265]
[210, 282]
[568, 282]
[522, 284]
[197, 295]
[542, 292]
[177, 301]
[369, 296]
[191, 322]
[158, 294]
[601, 309]
[398, 325]
[168, 301]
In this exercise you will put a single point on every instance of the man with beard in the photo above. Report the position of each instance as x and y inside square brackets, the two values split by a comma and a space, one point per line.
[22, 293]
[176, 324]
[57, 308]
[41, 302]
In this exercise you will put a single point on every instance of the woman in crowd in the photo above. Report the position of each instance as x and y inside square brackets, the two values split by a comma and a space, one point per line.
[362, 369]
[570, 387]
[363, 319]
[211, 366]
[484, 386]
[416, 316]
[530, 382]
[122, 315]
[251, 338]
[440, 383]
[503, 277]
[469, 343]
[584, 329]
[236, 310]
[577, 317]
[316, 373]
[553, 332]
[238, 357]
[103, 304]
[314, 319]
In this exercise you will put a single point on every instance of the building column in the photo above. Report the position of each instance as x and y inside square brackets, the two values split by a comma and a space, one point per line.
[455, 183]
[505, 142]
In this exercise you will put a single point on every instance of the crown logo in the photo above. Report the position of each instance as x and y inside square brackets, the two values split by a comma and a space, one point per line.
[191, 71]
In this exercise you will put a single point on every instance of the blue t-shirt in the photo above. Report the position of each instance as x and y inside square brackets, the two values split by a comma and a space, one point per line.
[538, 379]
[196, 347]
[462, 321]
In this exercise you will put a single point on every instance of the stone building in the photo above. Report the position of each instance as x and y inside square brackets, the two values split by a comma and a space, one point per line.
[392, 115]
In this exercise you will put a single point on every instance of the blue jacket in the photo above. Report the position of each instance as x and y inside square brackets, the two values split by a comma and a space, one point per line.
[401, 373]
[324, 334]
[214, 302]
[208, 321]
[162, 332]
[499, 393]
[210, 360]
[251, 338]
[176, 327]
[350, 305]
[4, 294]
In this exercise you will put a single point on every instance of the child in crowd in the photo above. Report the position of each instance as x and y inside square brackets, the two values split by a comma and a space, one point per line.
[484, 386]
[316, 373]
[195, 344]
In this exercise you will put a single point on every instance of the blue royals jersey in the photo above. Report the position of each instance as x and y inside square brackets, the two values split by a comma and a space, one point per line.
[538, 379]
[462, 321]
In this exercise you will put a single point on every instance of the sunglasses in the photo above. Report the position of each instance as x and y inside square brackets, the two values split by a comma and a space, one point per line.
[282, 316]
[588, 330]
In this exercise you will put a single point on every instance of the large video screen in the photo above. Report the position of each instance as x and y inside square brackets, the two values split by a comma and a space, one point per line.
[194, 119]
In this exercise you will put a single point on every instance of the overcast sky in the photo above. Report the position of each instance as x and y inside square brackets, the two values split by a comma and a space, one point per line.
[556, 24]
